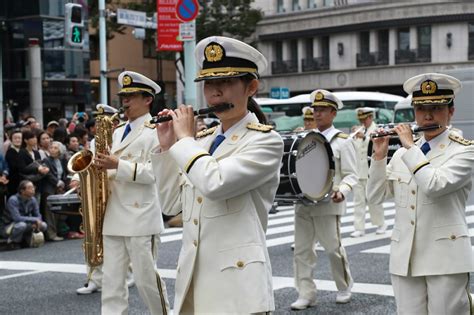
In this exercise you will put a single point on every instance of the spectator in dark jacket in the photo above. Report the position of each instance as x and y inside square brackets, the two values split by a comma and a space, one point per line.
[14, 162]
[22, 216]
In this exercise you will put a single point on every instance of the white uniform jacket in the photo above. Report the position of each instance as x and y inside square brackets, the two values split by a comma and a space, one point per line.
[430, 236]
[225, 199]
[345, 177]
[133, 208]
[362, 146]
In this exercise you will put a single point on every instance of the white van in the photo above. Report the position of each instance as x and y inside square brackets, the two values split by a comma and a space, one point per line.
[287, 115]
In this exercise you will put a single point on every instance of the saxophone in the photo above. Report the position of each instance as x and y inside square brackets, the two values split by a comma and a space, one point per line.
[94, 189]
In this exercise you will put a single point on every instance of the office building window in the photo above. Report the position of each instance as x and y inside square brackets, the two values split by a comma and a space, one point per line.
[309, 48]
[404, 39]
[294, 49]
[383, 42]
[328, 3]
[364, 38]
[325, 46]
[311, 4]
[278, 51]
[295, 5]
[280, 7]
[424, 37]
[471, 41]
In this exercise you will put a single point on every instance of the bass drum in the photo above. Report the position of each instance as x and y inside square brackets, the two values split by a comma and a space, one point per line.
[307, 168]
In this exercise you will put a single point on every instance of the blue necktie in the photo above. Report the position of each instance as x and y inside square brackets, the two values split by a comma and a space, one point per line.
[425, 148]
[216, 143]
[126, 132]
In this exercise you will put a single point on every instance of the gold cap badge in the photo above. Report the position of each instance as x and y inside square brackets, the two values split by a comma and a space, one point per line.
[127, 80]
[319, 96]
[214, 52]
[428, 87]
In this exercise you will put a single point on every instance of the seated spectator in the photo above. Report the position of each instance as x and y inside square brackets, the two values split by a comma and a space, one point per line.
[21, 217]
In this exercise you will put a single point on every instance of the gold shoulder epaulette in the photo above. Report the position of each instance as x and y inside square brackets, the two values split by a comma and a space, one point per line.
[149, 125]
[206, 132]
[456, 138]
[342, 135]
[259, 127]
[121, 124]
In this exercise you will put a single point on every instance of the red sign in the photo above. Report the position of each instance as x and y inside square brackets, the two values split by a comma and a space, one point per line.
[168, 26]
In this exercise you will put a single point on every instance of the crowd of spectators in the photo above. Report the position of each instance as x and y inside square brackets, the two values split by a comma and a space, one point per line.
[39, 156]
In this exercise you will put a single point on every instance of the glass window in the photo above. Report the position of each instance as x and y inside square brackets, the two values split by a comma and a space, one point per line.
[53, 34]
[294, 50]
[52, 7]
[328, 3]
[295, 6]
[471, 41]
[404, 39]
[309, 48]
[278, 51]
[325, 46]
[280, 7]
[19, 8]
[383, 42]
[364, 43]
[311, 4]
[424, 37]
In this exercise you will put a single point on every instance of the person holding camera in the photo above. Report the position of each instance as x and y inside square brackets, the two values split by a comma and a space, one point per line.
[22, 217]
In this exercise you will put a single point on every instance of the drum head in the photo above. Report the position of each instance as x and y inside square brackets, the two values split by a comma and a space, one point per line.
[314, 166]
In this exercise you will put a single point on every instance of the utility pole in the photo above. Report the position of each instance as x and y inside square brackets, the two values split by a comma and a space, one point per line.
[36, 89]
[103, 53]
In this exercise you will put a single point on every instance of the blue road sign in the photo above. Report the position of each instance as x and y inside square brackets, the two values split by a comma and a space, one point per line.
[280, 92]
[187, 10]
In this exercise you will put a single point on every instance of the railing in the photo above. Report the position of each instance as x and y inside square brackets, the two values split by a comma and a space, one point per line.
[413, 55]
[371, 59]
[284, 66]
[315, 64]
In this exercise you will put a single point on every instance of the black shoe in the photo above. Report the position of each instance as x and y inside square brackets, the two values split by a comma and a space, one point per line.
[273, 210]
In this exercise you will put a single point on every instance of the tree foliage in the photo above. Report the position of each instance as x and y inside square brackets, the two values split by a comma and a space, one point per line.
[233, 18]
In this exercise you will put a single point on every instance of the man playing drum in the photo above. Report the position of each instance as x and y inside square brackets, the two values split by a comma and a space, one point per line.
[321, 221]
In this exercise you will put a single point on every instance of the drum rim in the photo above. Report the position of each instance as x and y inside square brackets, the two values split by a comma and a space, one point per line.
[331, 167]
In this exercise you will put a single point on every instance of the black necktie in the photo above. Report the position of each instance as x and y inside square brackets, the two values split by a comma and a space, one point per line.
[216, 143]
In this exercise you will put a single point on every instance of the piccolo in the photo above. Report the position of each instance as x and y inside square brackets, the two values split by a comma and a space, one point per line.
[391, 132]
[203, 111]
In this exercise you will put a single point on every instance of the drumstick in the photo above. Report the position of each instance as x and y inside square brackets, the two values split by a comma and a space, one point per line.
[70, 191]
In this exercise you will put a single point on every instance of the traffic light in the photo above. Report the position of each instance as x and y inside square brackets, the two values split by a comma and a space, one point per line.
[74, 25]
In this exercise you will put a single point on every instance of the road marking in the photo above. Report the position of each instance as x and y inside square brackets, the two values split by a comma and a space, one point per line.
[278, 282]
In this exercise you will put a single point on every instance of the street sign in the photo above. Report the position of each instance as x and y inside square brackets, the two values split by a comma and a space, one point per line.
[279, 92]
[168, 26]
[187, 31]
[131, 17]
[187, 10]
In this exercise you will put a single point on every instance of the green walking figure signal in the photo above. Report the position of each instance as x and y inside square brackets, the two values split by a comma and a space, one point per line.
[73, 25]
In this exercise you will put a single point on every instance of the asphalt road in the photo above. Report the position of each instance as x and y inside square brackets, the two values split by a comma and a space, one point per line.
[44, 280]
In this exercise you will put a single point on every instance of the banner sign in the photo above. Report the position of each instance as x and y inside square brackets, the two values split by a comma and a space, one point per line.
[168, 26]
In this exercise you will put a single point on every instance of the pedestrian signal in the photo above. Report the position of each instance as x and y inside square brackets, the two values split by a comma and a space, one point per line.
[74, 25]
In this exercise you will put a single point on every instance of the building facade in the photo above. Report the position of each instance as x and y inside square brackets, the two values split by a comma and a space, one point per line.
[361, 45]
[65, 71]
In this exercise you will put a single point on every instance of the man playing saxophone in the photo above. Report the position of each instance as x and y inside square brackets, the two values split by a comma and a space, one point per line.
[133, 217]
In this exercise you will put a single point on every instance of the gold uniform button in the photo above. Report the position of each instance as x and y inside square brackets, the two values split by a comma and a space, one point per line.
[195, 243]
[412, 222]
[199, 199]
[413, 192]
[412, 207]
[453, 237]
[240, 264]
[195, 221]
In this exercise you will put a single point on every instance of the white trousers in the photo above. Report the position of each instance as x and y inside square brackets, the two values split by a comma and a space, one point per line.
[433, 295]
[326, 230]
[360, 205]
[141, 251]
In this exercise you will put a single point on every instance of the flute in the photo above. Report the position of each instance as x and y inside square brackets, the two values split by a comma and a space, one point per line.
[214, 109]
[391, 132]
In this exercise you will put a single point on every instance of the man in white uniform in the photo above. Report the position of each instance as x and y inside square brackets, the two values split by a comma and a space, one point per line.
[361, 142]
[133, 217]
[430, 180]
[321, 222]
